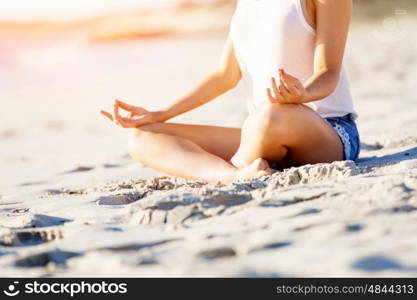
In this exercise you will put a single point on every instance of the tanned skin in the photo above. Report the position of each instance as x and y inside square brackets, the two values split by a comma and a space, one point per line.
[281, 130]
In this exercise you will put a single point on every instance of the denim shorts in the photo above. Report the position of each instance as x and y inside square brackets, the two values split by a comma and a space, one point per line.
[348, 132]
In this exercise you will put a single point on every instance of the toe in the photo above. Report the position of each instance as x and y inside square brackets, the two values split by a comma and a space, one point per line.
[261, 164]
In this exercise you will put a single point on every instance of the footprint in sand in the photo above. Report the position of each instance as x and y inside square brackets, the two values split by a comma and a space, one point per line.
[278, 200]
[43, 259]
[271, 246]
[24, 238]
[217, 253]
[353, 227]
[79, 169]
[33, 183]
[307, 227]
[53, 192]
[138, 246]
[308, 211]
[18, 212]
[147, 261]
[111, 166]
[404, 208]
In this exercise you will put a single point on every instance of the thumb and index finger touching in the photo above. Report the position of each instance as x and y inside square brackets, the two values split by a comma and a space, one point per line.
[120, 104]
[291, 82]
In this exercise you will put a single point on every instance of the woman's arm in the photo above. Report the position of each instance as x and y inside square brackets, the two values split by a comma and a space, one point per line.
[332, 27]
[220, 81]
[333, 20]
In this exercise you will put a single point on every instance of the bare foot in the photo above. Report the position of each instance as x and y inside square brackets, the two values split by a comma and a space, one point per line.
[258, 168]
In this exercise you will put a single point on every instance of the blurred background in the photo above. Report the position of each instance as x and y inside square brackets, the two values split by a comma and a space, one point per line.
[62, 61]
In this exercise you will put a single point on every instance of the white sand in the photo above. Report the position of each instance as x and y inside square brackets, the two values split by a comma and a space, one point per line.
[73, 204]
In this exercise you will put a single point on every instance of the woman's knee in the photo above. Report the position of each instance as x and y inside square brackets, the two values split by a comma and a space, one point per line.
[133, 141]
[273, 116]
[140, 137]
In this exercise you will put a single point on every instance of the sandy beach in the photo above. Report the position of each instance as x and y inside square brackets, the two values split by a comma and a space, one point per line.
[74, 204]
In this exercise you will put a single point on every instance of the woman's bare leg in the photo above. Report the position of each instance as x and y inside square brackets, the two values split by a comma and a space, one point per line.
[290, 134]
[191, 151]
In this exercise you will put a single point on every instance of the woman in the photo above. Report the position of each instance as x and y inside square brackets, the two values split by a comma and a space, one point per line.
[289, 54]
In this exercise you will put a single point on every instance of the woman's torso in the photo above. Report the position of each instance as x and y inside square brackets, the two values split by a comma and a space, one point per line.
[272, 34]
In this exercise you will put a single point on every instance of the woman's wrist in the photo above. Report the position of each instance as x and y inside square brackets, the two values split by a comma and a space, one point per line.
[161, 115]
[308, 96]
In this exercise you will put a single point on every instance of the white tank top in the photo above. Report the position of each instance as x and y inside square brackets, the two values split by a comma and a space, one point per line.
[272, 34]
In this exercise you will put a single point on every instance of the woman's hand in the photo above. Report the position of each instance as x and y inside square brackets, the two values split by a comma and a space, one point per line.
[138, 116]
[290, 90]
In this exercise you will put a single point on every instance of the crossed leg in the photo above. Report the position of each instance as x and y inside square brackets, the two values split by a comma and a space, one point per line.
[192, 151]
[290, 134]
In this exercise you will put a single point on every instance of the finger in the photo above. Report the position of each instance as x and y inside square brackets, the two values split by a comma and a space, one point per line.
[107, 114]
[142, 121]
[293, 84]
[274, 86]
[285, 95]
[287, 77]
[125, 106]
[291, 79]
[277, 95]
[275, 99]
[126, 122]
[116, 114]
[291, 88]
[283, 90]
[285, 80]
[134, 123]
[270, 97]
[298, 85]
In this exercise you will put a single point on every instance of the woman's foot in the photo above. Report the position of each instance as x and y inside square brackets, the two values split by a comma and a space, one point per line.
[258, 168]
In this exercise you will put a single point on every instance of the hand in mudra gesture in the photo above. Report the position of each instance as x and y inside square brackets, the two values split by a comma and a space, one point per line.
[290, 90]
[137, 116]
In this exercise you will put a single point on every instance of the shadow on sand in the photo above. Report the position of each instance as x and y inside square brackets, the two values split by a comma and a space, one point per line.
[390, 159]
